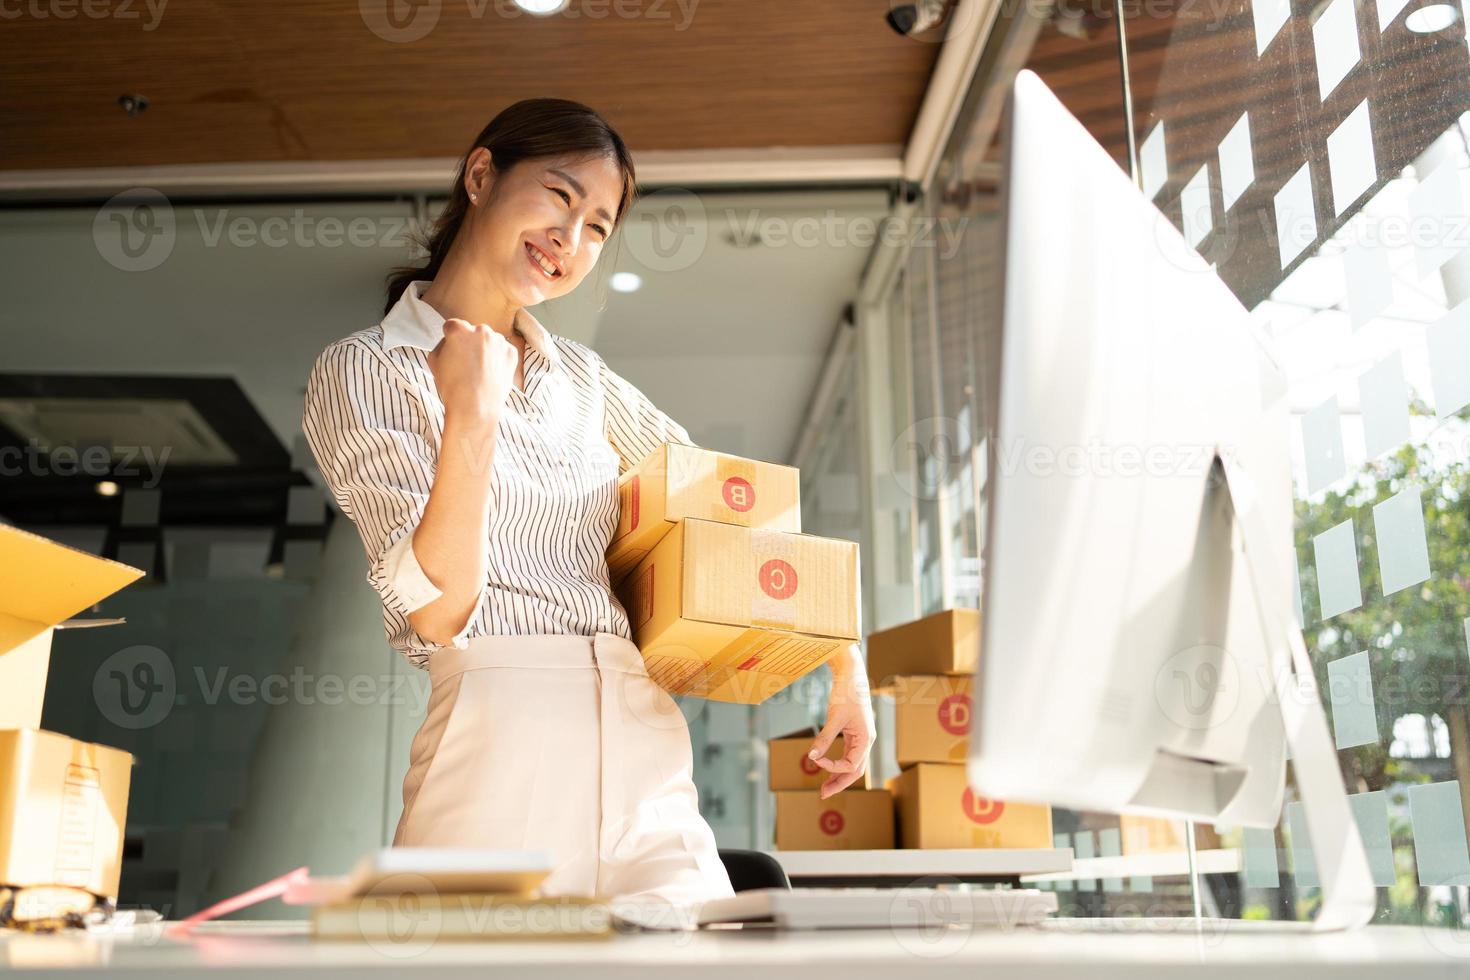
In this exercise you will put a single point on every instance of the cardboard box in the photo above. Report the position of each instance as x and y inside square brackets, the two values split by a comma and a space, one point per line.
[855, 819]
[676, 481]
[937, 808]
[42, 585]
[947, 642]
[931, 717]
[63, 807]
[63, 803]
[737, 614]
[1160, 835]
[790, 768]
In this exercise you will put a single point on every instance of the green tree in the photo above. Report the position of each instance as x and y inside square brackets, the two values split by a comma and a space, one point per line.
[1415, 638]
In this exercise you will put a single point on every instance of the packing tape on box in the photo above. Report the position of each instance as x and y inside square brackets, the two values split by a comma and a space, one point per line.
[736, 479]
[773, 600]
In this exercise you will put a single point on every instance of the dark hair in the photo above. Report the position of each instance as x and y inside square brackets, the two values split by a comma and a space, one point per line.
[528, 130]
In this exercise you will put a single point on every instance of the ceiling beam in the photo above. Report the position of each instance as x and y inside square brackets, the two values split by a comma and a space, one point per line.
[745, 167]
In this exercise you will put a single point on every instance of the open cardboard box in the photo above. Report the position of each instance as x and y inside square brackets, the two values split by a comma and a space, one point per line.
[63, 803]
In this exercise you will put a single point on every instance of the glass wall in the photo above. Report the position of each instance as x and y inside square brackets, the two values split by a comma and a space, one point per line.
[1316, 155]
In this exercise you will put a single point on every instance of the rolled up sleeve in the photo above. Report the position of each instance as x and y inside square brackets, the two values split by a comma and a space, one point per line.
[371, 443]
[635, 426]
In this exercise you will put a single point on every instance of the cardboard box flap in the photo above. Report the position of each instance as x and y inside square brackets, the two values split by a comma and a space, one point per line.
[810, 731]
[44, 582]
[86, 624]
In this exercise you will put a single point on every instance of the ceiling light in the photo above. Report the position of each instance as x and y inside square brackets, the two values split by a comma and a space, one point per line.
[625, 282]
[541, 8]
[107, 488]
[1428, 20]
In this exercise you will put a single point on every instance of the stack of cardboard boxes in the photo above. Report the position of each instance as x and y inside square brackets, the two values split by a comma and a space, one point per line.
[858, 818]
[727, 599]
[63, 803]
[927, 666]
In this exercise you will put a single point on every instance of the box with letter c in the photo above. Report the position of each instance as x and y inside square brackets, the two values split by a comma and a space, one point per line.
[737, 614]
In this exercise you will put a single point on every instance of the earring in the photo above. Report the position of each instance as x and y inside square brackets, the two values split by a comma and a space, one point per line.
[474, 199]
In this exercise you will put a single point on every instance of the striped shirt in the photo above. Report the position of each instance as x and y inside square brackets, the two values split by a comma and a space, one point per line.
[374, 421]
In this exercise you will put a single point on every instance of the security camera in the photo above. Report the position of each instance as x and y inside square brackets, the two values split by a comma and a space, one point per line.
[915, 18]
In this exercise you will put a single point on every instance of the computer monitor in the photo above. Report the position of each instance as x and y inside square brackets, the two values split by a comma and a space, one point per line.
[1140, 648]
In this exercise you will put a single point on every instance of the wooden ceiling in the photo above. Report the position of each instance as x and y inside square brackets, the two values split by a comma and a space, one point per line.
[323, 80]
[1194, 68]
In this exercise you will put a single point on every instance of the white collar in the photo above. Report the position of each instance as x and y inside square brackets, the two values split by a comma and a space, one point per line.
[414, 323]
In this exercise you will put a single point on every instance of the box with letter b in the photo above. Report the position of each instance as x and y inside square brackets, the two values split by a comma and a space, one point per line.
[677, 481]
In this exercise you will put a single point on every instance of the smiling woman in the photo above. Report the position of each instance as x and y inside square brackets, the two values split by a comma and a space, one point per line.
[478, 455]
[576, 160]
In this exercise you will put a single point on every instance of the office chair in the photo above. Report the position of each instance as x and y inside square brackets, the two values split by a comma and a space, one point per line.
[753, 869]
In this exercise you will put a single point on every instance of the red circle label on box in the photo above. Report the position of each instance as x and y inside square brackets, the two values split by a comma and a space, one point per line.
[981, 809]
[778, 579]
[954, 714]
[809, 765]
[831, 822]
[739, 494]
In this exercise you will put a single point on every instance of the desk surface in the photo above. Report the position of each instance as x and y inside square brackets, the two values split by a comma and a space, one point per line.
[918, 862]
[284, 949]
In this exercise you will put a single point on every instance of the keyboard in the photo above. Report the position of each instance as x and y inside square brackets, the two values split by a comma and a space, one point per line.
[881, 908]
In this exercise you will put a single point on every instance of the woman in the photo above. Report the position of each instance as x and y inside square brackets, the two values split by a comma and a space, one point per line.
[478, 456]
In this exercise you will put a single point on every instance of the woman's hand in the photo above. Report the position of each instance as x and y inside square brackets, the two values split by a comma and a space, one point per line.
[849, 714]
[474, 368]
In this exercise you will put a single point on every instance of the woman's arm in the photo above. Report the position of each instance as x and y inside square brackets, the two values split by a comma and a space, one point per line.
[450, 543]
[849, 714]
[473, 368]
[375, 449]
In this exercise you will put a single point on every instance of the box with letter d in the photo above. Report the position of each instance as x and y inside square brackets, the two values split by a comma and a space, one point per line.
[946, 642]
[931, 718]
[937, 808]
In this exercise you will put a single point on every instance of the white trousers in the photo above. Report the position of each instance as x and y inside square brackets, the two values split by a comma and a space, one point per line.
[562, 743]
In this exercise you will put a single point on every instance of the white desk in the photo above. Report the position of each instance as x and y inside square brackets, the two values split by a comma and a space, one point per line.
[896, 866]
[282, 951]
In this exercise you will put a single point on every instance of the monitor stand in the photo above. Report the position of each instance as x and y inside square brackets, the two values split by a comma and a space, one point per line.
[1349, 897]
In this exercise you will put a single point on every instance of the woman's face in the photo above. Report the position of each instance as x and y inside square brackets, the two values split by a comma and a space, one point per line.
[540, 227]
